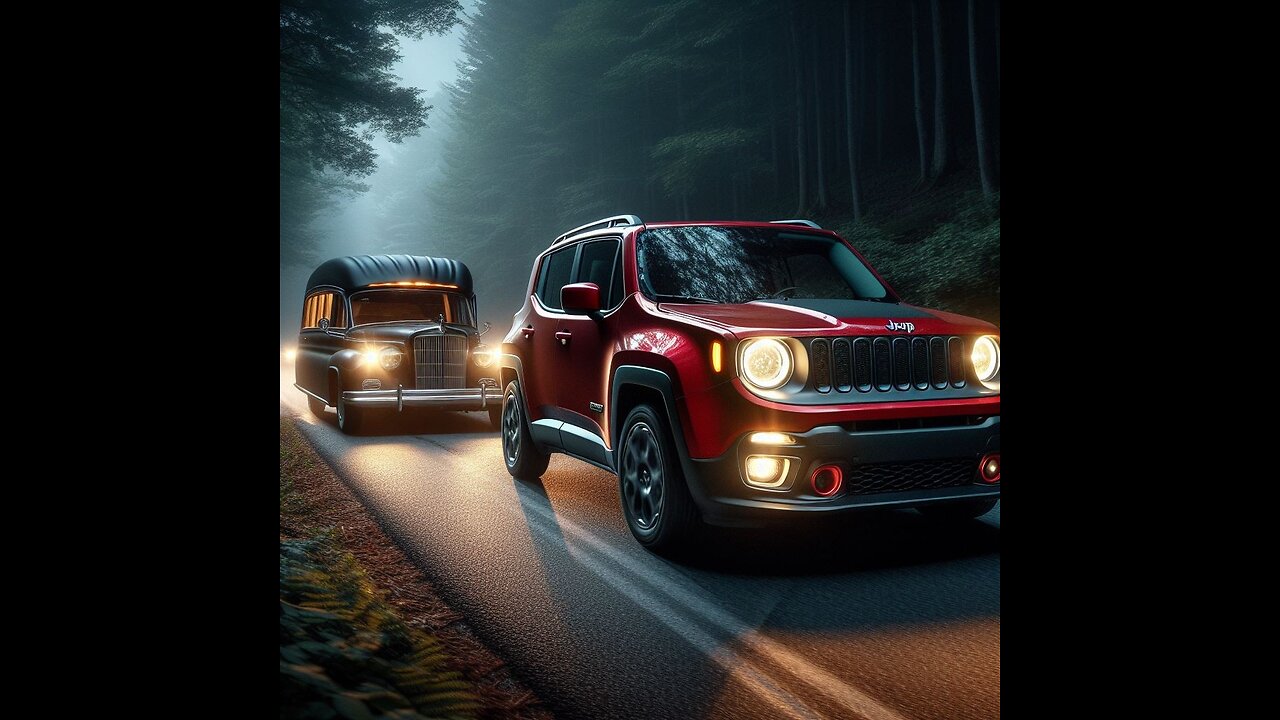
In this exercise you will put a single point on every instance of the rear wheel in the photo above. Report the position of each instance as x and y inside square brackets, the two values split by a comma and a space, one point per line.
[958, 511]
[316, 406]
[655, 499]
[351, 420]
[524, 461]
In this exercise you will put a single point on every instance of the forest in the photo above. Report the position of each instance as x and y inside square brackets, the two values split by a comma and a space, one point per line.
[879, 119]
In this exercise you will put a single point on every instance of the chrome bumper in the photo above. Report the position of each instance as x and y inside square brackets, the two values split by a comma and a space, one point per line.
[399, 399]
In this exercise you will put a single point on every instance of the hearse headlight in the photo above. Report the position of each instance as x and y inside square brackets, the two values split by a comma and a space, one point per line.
[390, 358]
[482, 356]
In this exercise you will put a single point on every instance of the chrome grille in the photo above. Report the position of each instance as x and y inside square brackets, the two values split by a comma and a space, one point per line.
[440, 362]
[887, 364]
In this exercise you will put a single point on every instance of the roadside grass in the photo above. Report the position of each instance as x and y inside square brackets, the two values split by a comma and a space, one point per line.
[344, 651]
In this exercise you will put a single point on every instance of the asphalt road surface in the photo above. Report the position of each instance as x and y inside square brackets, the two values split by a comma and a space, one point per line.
[881, 615]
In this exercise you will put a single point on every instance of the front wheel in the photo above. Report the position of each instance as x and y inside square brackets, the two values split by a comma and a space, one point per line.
[351, 420]
[655, 499]
[524, 460]
[958, 511]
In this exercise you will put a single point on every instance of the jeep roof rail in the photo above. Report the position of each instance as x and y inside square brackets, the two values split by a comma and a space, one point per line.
[810, 223]
[608, 222]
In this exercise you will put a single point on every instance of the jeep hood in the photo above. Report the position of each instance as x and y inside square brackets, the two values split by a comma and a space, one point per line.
[829, 317]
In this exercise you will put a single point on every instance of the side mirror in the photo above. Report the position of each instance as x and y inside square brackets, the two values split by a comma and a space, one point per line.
[580, 298]
[487, 325]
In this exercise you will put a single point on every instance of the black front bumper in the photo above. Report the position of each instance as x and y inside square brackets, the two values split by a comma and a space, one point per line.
[722, 494]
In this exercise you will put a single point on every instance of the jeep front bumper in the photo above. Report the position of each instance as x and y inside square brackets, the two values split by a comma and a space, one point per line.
[925, 465]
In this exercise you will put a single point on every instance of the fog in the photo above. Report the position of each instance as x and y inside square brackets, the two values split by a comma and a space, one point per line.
[860, 116]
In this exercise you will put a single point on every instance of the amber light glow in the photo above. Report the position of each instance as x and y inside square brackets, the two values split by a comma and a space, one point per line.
[414, 283]
[717, 356]
[772, 438]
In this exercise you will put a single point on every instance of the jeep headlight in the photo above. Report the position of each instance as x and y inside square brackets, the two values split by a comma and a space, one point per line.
[766, 363]
[390, 358]
[482, 356]
[986, 358]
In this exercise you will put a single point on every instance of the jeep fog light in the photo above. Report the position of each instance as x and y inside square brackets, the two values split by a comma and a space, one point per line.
[767, 471]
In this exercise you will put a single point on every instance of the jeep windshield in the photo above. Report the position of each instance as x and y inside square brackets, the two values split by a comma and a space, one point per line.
[715, 264]
[382, 306]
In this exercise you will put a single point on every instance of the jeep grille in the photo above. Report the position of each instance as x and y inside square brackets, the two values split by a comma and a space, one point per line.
[886, 364]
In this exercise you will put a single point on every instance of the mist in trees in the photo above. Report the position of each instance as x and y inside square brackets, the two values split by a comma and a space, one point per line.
[877, 118]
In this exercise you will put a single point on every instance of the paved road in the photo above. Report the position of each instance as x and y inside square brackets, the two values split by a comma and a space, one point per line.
[876, 616]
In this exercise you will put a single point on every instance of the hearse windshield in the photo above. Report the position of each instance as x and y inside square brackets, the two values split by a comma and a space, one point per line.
[380, 306]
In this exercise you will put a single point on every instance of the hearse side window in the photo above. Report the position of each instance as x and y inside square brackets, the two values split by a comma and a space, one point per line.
[556, 270]
[596, 266]
[324, 305]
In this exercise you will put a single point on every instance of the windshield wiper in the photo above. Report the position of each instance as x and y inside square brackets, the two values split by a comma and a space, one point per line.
[686, 299]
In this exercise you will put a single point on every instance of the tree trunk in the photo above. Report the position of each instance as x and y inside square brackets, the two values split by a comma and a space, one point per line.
[879, 89]
[774, 160]
[922, 130]
[986, 169]
[854, 189]
[802, 171]
[997, 14]
[817, 127]
[941, 137]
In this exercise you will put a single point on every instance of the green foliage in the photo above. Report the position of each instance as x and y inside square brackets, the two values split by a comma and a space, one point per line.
[337, 93]
[955, 266]
[343, 651]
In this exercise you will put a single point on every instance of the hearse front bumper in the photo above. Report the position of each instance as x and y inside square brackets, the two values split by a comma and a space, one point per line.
[400, 398]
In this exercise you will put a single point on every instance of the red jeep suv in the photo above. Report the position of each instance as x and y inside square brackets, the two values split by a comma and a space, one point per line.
[737, 372]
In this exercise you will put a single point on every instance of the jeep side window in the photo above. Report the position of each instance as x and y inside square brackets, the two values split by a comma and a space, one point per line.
[556, 271]
[596, 266]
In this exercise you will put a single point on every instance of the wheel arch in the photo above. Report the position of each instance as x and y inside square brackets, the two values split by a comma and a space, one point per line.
[635, 384]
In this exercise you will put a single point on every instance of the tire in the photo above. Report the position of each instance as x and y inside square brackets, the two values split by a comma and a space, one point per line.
[495, 417]
[316, 406]
[958, 511]
[651, 486]
[351, 420]
[524, 461]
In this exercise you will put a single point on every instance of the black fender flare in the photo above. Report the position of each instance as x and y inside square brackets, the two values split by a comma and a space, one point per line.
[649, 378]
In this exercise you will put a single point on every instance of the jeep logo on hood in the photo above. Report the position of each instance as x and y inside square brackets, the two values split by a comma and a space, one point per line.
[891, 326]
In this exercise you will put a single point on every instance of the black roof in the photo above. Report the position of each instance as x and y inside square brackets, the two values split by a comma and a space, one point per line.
[353, 272]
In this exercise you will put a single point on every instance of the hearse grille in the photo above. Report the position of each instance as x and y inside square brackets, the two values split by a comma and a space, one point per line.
[440, 361]
[887, 364]
[917, 475]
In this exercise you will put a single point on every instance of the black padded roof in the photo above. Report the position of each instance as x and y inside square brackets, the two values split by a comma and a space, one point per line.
[353, 272]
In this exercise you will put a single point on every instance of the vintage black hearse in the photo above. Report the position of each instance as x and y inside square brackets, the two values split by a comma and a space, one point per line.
[381, 333]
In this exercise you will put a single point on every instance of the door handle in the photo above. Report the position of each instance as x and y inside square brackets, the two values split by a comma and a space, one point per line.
[564, 336]
[527, 331]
